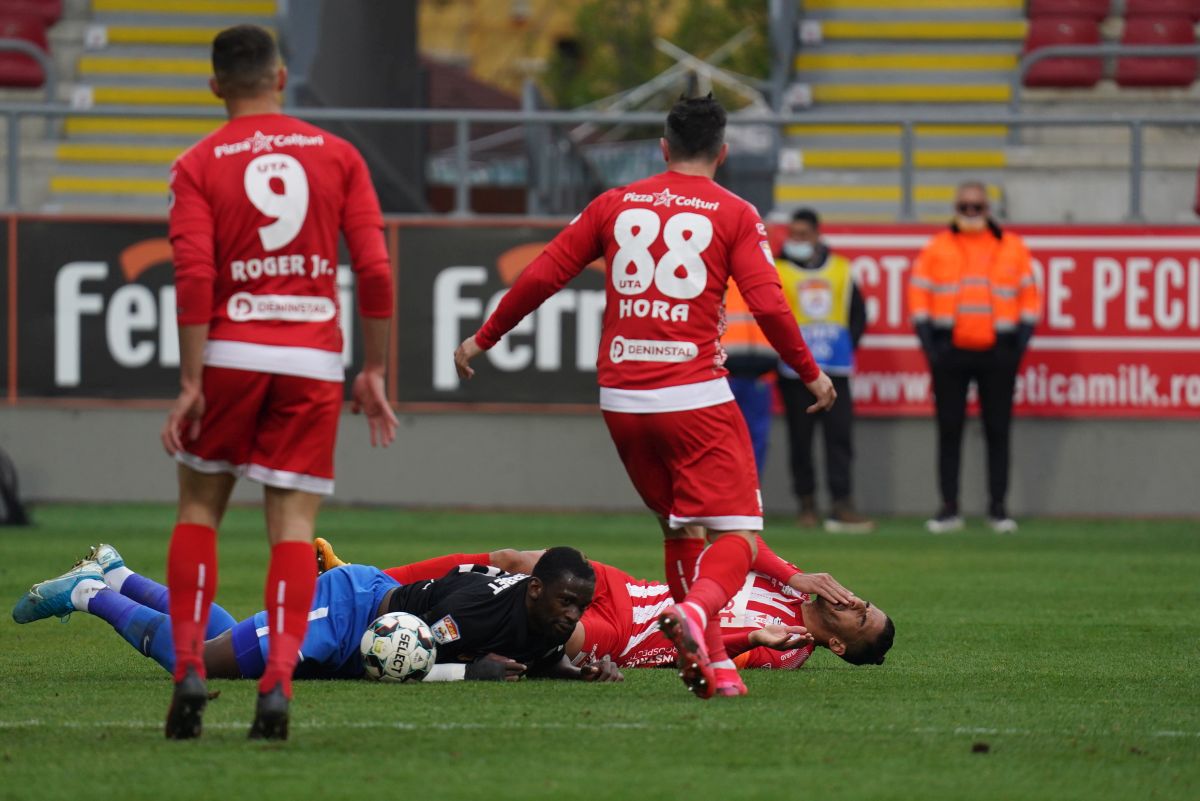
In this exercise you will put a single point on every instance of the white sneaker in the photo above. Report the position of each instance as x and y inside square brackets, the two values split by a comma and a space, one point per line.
[1003, 525]
[948, 524]
[103, 555]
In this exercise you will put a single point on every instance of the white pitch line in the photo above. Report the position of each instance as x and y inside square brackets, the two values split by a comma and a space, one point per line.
[34, 723]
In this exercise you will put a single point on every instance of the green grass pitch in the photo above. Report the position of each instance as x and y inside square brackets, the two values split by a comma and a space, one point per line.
[1070, 651]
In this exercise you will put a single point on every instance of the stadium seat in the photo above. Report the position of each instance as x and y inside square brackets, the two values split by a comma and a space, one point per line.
[1157, 71]
[18, 69]
[1160, 9]
[1063, 72]
[1082, 9]
[48, 11]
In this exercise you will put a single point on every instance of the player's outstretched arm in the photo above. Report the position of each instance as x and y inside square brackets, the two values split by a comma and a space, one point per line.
[780, 638]
[767, 562]
[463, 355]
[603, 670]
[183, 421]
[368, 395]
[575, 247]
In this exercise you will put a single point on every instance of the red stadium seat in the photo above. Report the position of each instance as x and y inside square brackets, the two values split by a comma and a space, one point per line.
[48, 11]
[1086, 9]
[1157, 71]
[1162, 8]
[1063, 72]
[18, 69]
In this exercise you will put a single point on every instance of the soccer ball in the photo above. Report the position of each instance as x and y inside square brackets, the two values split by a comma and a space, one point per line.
[398, 647]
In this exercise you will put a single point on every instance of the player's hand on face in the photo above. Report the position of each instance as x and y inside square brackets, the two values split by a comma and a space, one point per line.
[826, 586]
[781, 638]
[183, 420]
[462, 357]
[604, 670]
[822, 389]
[368, 396]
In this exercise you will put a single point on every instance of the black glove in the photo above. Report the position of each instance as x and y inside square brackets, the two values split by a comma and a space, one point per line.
[1024, 334]
[485, 670]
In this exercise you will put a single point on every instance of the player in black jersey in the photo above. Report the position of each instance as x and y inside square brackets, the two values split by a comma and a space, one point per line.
[488, 624]
[477, 610]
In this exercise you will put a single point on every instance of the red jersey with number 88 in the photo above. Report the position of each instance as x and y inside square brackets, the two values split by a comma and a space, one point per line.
[671, 243]
[256, 208]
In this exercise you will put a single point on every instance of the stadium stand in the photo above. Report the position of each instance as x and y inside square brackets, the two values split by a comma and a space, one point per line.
[1163, 8]
[48, 12]
[903, 57]
[146, 53]
[1160, 72]
[898, 57]
[1064, 72]
[1079, 9]
[18, 69]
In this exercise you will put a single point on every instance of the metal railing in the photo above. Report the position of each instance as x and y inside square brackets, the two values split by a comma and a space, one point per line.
[463, 119]
[41, 57]
[1091, 51]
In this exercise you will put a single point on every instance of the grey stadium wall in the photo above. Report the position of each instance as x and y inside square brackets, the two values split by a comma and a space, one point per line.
[89, 356]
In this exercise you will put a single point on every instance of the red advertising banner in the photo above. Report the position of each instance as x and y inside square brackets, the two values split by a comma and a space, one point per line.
[1120, 328]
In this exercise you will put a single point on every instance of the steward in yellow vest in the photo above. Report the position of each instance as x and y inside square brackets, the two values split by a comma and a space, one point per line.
[829, 309]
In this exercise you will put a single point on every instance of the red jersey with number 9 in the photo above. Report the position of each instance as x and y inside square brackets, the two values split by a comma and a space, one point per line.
[255, 212]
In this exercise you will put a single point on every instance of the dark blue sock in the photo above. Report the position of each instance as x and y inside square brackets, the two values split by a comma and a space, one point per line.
[149, 592]
[146, 629]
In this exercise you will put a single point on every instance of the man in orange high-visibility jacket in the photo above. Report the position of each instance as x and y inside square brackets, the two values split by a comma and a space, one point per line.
[751, 361]
[974, 303]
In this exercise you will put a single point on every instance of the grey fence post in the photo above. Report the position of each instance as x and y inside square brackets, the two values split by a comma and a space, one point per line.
[462, 187]
[907, 210]
[1136, 158]
[13, 125]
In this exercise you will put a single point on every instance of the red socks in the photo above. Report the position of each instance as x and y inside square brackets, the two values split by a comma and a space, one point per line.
[769, 564]
[436, 567]
[720, 573]
[680, 555]
[291, 581]
[192, 584]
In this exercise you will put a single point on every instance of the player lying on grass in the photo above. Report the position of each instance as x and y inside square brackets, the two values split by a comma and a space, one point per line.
[774, 621]
[487, 624]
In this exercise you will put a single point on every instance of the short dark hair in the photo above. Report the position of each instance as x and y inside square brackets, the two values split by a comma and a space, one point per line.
[561, 561]
[872, 653]
[695, 128]
[807, 216]
[244, 58]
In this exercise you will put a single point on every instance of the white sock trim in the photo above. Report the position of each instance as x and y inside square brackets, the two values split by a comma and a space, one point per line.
[83, 592]
[115, 578]
[699, 611]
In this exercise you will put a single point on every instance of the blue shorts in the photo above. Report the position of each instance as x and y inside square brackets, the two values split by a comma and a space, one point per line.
[344, 605]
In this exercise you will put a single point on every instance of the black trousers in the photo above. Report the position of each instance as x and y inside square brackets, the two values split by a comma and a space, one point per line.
[995, 374]
[836, 425]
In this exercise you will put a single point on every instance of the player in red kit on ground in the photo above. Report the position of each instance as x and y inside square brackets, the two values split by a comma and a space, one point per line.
[255, 212]
[671, 243]
[774, 621]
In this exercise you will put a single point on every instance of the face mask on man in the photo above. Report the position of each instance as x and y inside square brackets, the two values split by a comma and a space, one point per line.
[970, 216]
[799, 252]
[971, 224]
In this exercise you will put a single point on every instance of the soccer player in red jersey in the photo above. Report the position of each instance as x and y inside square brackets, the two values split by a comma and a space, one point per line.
[671, 243]
[254, 218]
[774, 621]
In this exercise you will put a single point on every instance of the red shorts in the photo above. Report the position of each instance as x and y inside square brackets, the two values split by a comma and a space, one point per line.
[692, 467]
[279, 430]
